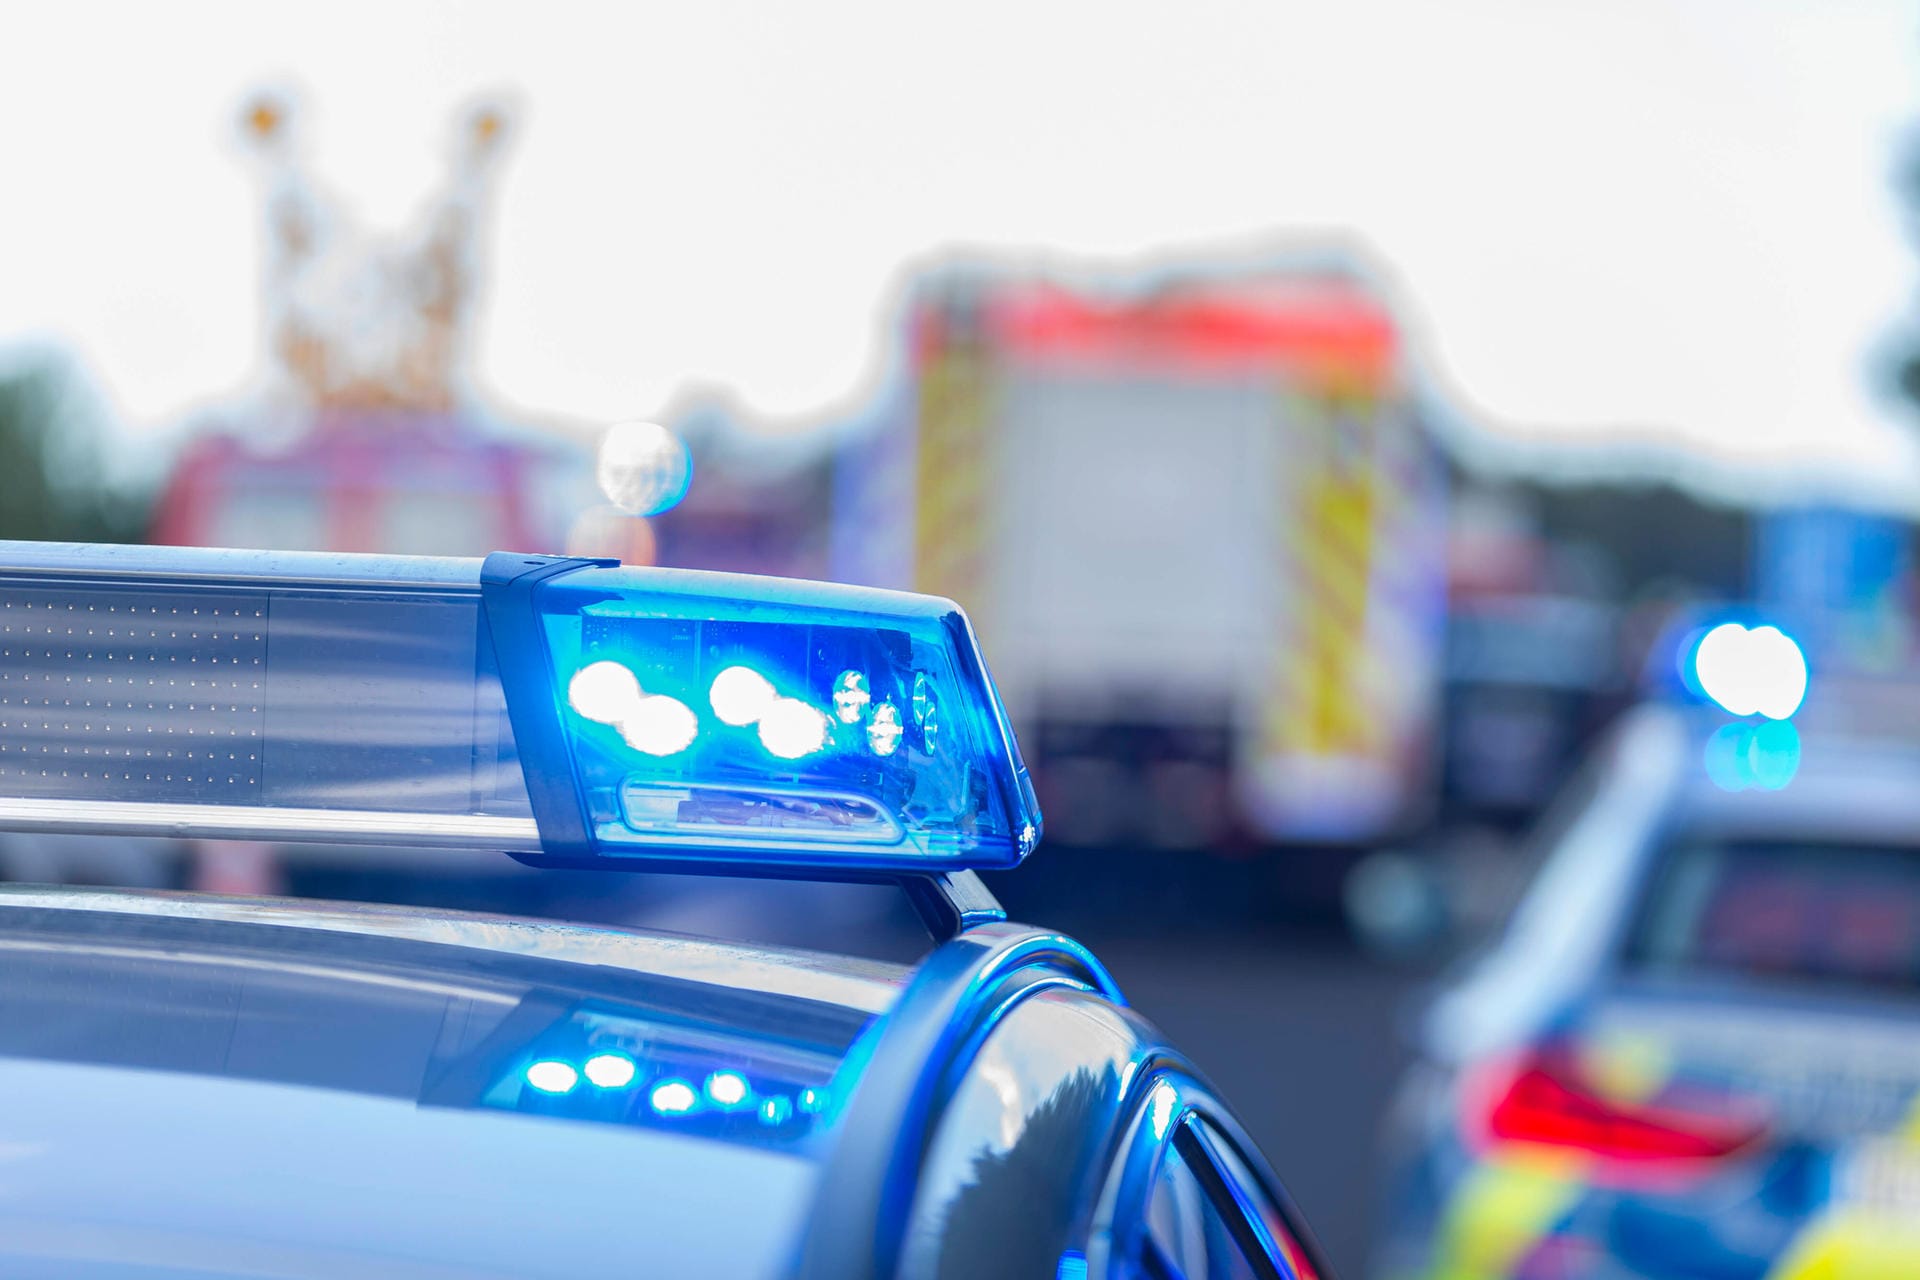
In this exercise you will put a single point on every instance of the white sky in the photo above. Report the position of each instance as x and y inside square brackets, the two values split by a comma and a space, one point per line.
[1664, 217]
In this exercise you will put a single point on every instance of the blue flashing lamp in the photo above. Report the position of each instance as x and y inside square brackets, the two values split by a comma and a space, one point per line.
[568, 712]
[1746, 671]
[761, 720]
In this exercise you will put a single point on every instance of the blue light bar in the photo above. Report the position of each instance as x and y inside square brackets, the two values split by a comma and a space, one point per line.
[759, 718]
[1758, 671]
[566, 711]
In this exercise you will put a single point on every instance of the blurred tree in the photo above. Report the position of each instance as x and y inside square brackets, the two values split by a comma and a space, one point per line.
[56, 481]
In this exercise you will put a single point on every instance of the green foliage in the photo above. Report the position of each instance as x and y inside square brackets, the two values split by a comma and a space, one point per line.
[55, 479]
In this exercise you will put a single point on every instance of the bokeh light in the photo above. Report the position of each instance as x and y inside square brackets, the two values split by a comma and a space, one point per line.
[643, 468]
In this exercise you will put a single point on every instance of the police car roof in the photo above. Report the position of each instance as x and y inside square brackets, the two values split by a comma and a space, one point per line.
[1847, 786]
[204, 1085]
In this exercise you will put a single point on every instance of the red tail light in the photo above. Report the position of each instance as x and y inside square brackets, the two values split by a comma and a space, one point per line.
[1543, 1100]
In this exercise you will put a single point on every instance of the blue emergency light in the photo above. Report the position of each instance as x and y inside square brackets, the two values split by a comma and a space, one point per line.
[1748, 671]
[570, 712]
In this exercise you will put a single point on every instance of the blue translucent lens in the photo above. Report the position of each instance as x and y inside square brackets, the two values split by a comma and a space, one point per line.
[730, 717]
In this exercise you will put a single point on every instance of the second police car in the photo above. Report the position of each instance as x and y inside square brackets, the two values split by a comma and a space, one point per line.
[202, 1085]
[1695, 1052]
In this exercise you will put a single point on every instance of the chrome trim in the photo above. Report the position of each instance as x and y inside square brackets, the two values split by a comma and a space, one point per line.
[1057, 1045]
[1120, 1209]
[959, 992]
[282, 569]
[245, 822]
[214, 959]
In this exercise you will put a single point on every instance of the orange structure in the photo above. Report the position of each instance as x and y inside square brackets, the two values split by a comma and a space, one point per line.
[365, 433]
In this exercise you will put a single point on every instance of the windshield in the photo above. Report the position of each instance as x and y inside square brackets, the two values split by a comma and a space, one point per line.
[1812, 912]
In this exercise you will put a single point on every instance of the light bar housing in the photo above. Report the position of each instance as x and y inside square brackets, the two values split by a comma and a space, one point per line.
[433, 703]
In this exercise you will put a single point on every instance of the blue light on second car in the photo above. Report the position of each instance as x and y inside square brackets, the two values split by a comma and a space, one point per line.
[1073, 1266]
[673, 1097]
[1774, 754]
[552, 1076]
[1758, 671]
[1753, 757]
[610, 1070]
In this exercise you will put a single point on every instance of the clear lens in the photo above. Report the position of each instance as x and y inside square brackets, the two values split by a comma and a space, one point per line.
[308, 703]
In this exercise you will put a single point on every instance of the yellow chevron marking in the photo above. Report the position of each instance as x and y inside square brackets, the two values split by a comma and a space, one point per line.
[1341, 511]
[1910, 1128]
[1322, 708]
[1503, 1208]
[950, 479]
[1338, 576]
[1854, 1244]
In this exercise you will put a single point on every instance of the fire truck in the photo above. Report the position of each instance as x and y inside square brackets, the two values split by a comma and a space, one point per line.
[1199, 518]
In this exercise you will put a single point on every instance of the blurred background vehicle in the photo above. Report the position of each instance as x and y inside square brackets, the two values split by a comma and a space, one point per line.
[1693, 1049]
[1334, 417]
[1204, 524]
